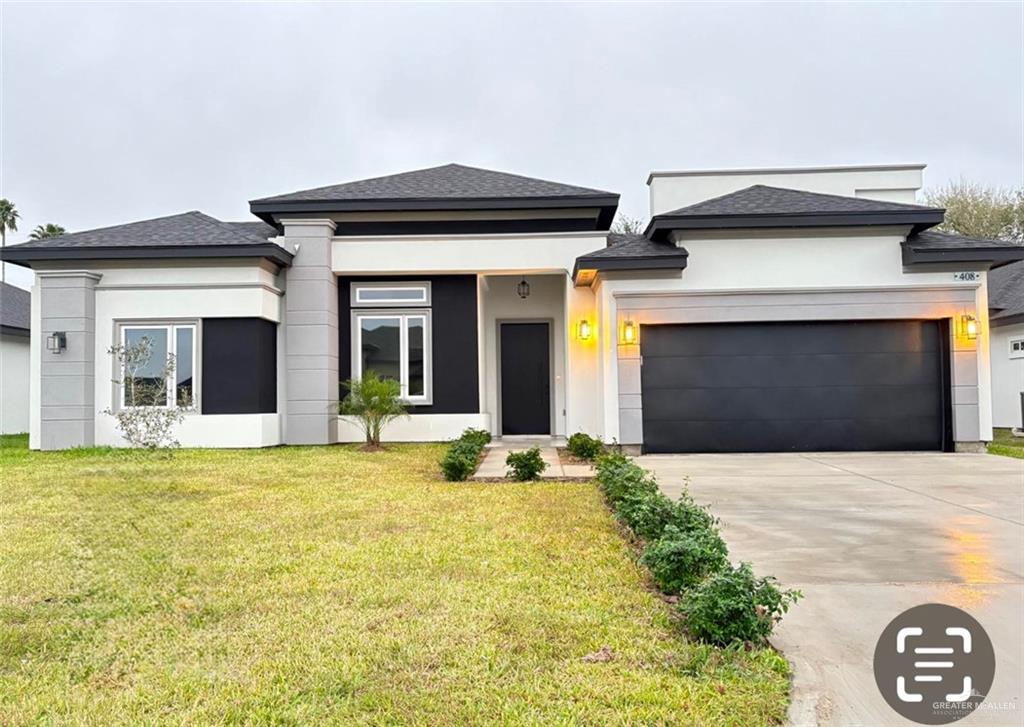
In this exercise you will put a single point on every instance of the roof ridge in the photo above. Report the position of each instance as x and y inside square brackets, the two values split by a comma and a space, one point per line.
[820, 195]
[226, 226]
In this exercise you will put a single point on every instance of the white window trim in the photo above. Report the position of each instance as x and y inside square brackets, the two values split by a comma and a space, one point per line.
[1016, 354]
[357, 288]
[171, 327]
[427, 398]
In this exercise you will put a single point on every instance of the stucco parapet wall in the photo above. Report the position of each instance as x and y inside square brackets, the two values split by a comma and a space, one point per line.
[74, 274]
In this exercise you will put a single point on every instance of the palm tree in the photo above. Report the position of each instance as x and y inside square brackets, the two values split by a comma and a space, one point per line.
[8, 221]
[48, 230]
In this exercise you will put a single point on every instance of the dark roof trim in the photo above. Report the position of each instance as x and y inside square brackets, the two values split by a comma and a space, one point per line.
[996, 321]
[266, 210]
[644, 262]
[14, 331]
[996, 256]
[24, 254]
[661, 225]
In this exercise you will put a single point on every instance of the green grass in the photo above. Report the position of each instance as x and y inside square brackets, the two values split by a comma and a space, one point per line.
[323, 584]
[1006, 444]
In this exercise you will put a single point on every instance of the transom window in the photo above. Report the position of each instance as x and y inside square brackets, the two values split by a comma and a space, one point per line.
[142, 380]
[1017, 348]
[390, 294]
[395, 345]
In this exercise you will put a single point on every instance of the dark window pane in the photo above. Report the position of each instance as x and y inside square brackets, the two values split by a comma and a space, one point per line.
[144, 384]
[381, 346]
[183, 374]
[416, 357]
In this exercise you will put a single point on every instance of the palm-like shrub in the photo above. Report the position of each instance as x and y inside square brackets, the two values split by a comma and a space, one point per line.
[375, 402]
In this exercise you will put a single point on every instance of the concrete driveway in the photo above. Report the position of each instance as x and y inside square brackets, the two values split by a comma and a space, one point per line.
[866, 536]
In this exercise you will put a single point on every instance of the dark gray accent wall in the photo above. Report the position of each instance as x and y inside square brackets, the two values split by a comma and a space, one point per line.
[454, 328]
[239, 369]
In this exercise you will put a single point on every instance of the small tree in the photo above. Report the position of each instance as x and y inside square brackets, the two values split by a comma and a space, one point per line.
[375, 402]
[624, 224]
[146, 419]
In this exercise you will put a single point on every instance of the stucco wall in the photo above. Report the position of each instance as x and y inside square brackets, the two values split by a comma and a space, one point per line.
[156, 291]
[1007, 377]
[898, 183]
[14, 376]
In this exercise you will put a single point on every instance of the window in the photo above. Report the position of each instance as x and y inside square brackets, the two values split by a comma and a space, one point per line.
[142, 379]
[1017, 348]
[390, 294]
[395, 345]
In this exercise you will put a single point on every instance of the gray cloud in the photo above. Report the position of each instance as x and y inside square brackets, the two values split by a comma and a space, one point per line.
[116, 112]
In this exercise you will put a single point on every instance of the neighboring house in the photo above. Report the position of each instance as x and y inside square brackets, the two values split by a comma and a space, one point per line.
[1006, 314]
[15, 307]
[761, 310]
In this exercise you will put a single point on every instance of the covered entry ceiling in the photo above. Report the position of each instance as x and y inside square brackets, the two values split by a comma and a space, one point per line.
[796, 386]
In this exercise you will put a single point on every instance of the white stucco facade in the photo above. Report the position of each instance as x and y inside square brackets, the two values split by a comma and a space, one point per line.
[1007, 375]
[14, 378]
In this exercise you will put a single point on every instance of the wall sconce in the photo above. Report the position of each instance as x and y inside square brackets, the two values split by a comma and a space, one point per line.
[968, 326]
[584, 330]
[57, 342]
[523, 289]
[629, 333]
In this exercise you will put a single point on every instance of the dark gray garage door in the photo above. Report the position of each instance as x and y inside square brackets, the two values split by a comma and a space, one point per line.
[805, 386]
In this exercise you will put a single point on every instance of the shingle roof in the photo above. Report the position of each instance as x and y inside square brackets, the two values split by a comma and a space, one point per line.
[187, 228]
[1006, 291]
[15, 307]
[182, 235]
[449, 182]
[632, 252]
[931, 246]
[761, 199]
[761, 206]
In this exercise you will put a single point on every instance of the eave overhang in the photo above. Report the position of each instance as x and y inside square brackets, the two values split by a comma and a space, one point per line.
[661, 226]
[994, 257]
[24, 255]
[586, 267]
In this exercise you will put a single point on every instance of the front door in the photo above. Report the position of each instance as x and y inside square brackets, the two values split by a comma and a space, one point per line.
[525, 379]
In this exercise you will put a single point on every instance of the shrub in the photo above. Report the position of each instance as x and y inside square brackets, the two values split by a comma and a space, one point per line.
[480, 437]
[583, 446]
[463, 455]
[618, 477]
[691, 517]
[145, 421]
[646, 513]
[735, 606]
[679, 559]
[375, 401]
[525, 466]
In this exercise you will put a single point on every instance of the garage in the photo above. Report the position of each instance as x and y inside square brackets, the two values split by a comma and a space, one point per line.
[807, 386]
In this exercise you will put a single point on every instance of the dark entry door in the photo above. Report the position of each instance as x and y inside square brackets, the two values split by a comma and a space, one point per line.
[525, 379]
[802, 386]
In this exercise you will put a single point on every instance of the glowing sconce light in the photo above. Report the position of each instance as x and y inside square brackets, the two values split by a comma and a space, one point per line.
[584, 330]
[629, 332]
[969, 326]
[57, 342]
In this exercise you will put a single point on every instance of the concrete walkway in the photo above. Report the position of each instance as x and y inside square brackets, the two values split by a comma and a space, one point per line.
[493, 466]
[866, 536]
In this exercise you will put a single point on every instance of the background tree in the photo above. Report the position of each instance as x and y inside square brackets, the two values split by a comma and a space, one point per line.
[978, 211]
[624, 224]
[48, 230]
[8, 223]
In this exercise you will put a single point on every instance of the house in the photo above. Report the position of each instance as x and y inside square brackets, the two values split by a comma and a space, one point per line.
[15, 304]
[1006, 316]
[760, 310]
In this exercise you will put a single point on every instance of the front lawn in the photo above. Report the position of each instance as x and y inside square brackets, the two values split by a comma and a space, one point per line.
[1006, 444]
[323, 584]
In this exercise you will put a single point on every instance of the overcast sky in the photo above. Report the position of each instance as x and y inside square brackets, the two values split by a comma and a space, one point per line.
[120, 112]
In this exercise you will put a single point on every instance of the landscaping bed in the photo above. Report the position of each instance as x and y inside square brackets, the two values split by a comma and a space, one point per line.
[329, 585]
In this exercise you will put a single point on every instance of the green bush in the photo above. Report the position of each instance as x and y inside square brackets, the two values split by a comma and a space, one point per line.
[583, 446]
[462, 456]
[375, 402]
[681, 559]
[618, 476]
[479, 436]
[646, 513]
[525, 466]
[735, 606]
